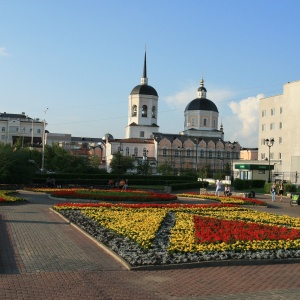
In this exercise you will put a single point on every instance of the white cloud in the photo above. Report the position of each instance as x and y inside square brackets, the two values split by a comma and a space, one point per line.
[243, 124]
[3, 51]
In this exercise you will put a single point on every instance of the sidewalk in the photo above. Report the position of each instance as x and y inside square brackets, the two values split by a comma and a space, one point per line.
[44, 257]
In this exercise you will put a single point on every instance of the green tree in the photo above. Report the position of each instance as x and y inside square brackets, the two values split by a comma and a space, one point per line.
[15, 165]
[166, 168]
[121, 164]
[203, 173]
[143, 167]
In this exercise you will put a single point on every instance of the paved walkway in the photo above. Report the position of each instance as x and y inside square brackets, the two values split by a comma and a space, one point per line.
[44, 257]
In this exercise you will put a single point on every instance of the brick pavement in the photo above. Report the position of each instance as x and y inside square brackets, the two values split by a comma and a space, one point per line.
[44, 257]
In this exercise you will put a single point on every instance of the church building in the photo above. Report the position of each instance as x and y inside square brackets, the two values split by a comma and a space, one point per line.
[201, 143]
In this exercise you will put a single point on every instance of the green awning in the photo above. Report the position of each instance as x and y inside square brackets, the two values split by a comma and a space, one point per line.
[253, 167]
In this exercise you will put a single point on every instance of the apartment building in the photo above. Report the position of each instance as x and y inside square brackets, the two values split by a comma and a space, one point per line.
[279, 130]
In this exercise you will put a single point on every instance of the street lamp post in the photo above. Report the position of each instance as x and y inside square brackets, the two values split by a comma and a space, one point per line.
[269, 143]
[145, 161]
[43, 141]
[232, 146]
[120, 151]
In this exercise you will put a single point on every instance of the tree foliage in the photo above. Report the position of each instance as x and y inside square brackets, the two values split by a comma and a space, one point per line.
[120, 164]
[166, 168]
[15, 165]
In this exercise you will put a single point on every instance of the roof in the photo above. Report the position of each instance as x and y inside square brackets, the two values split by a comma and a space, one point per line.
[201, 104]
[144, 89]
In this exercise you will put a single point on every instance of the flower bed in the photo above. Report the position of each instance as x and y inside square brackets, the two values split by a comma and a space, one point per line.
[6, 197]
[225, 199]
[110, 195]
[147, 234]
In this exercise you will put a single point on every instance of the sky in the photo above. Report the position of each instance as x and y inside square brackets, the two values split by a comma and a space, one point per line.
[82, 58]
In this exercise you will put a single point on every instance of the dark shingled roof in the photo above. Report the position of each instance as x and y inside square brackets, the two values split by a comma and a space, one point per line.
[201, 104]
[144, 89]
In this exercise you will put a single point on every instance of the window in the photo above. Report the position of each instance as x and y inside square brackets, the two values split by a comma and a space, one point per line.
[272, 126]
[205, 122]
[280, 125]
[136, 152]
[193, 121]
[279, 155]
[202, 153]
[3, 137]
[272, 111]
[210, 154]
[280, 140]
[262, 142]
[281, 110]
[3, 129]
[176, 152]
[142, 134]
[215, 124]
[188, 152]
[263, 113]
[263, 127]
[127, 151]
[39, 131]
[165, 152]
[153, 111]
[262, 155]
[271, 155]
[134, 110]
[144, 111]
[13, 128]
[228, 154]
[236, 155]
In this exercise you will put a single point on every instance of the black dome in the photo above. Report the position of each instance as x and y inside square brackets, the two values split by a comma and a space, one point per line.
[201, 104]
[144, 89]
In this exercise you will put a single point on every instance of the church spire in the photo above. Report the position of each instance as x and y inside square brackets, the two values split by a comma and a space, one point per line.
[144, 79]
[202, 90]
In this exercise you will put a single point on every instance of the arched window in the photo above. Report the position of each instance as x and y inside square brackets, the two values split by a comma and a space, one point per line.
[134, 110]
[153, 112]
[144, 111]
[39, 131]
[165, 152]
[127, 151]
[202, 153]
[136, 152]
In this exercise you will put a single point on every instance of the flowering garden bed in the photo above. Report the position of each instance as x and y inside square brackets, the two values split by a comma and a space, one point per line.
[109, 195]
[163, 234]
[226, 199]
[7, 198]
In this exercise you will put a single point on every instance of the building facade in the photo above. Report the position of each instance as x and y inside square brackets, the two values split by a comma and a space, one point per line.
[278, 123]
[21, 126]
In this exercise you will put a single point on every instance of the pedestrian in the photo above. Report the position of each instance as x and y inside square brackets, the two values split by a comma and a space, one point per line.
[125, 186]
[280, 192]
[227, 190]
[218, 187]
[273, 191]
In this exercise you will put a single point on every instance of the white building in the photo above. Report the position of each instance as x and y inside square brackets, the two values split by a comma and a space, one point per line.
[278, 120]
[20, 126]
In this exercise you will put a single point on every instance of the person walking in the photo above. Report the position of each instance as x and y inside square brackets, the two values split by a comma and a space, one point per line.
[218, 187]
[273, 191]
[280, 191]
